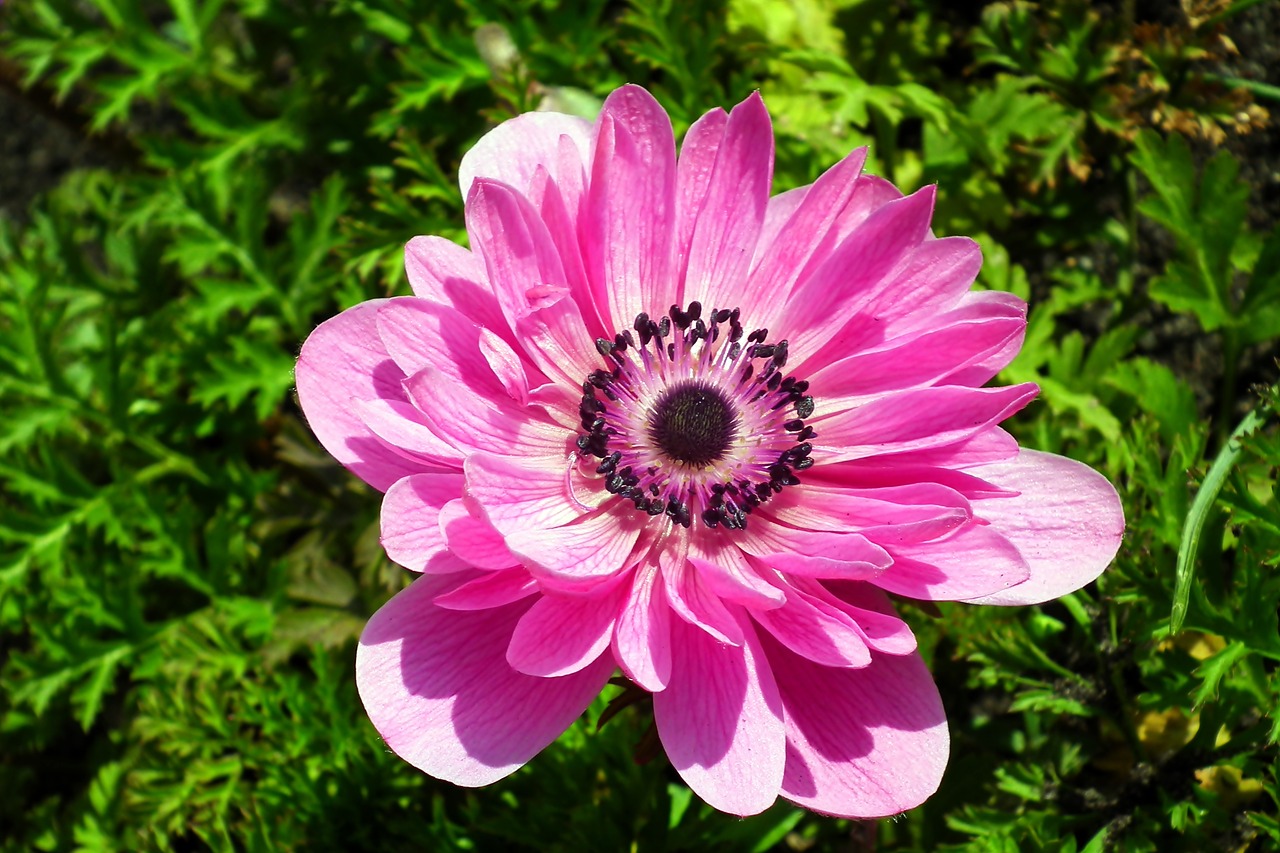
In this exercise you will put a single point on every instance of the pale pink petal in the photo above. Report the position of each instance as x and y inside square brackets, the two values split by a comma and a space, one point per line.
[777, 214]
[562, 229]
[629, 219]
[861, 743]
[441, 271]
[721, 721]
[919, 419]
[342, 361]
[1067, 523]
[724, 238]
[513, 151]
[579, 556]
[881, 473]
[561, 634]
[492, 589]
[410, 523]
[519, 494]
[420, 334]
[437, 687]
[472, 539]
[642, 638]
[974, 561]
[914, 512]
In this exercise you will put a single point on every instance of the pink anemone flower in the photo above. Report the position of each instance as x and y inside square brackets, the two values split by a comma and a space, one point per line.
[657, 420]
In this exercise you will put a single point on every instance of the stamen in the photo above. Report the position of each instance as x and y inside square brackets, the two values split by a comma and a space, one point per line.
[696, 421]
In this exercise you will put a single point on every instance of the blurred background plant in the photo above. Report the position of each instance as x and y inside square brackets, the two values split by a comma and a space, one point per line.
[188, 186]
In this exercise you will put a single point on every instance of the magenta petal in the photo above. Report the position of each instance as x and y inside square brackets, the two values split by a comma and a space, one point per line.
[692, 599]
[724, 238]
[729, 575]
[561, 634]
[492, 589]
[410, 523]
[872, 612]
[642, 638]
[861, 743]
[823, 554]
[437, 687]
[1067, 523]
[342, 361]
[629, 220]
[721, 721]
[401, 426]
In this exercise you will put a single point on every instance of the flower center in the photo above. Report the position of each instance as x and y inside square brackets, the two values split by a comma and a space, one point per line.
[693, 423]
[694, 419]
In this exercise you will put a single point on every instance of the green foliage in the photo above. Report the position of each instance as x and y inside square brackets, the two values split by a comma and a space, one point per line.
[183, 572]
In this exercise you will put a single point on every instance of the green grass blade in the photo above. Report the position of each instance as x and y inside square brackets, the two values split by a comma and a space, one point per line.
[1189, 547]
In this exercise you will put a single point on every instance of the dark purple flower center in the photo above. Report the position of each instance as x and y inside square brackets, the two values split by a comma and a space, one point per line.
[693, 417]
[693, 423]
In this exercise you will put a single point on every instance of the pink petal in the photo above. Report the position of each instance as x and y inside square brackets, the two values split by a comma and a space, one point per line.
[419, 334]
[724, 239]
[441, 271]
[721, 721]
[629, 219]
[790, 248]
[562, 228]
[580, 555]
[529, 279]
[974, 561]
[561, 634]
[861, 743]
[344, 360]
[870, 610]
[642, 638]
[914, 512]
[815, 630]
[513, 151]
[473, 540]
[919, 419]
[1067, 523]
[816, 554]
[691, 597]
[437, 687]
[730, 576]
[519, 494]
[917, 360]
[401, 426]
[693, 175]
[853, 273]
[492, 589]
[410, 523]
[472, 420]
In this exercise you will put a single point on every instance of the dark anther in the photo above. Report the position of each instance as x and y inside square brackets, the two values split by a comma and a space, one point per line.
[774, 381]
[804, 463]
[711, 517]
[804, 407]
[780, 354]
[746, 373]
[801, 386]
[603, 346]
[764, 351]
[806, 434]
[735, 349]
[793, 425]
[664, 327]
[695, 310]
[642, 322]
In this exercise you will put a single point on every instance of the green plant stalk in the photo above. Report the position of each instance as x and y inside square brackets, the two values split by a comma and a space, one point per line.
[1205, 498]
